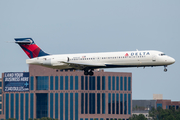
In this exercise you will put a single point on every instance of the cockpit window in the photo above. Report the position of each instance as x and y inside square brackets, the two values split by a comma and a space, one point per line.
[162, 54]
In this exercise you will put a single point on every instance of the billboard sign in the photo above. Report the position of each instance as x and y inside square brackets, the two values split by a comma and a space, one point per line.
[16, 81]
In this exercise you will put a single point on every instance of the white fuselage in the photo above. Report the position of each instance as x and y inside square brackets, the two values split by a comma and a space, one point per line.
[104, 60]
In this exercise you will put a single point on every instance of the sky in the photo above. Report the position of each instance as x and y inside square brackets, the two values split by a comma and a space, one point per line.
[86, 26]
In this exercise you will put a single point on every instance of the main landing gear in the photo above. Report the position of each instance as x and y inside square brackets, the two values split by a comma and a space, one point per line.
[165, 69]
[88, 72]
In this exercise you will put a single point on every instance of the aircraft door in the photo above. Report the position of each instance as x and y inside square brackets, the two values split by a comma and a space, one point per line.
[154, 58]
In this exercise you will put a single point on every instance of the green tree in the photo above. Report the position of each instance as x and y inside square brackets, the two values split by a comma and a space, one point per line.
[138, 117]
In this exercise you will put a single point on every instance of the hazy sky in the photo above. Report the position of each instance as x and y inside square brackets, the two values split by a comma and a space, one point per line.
[61, 27]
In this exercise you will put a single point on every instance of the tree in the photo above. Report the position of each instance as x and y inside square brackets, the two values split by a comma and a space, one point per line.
[138, 117]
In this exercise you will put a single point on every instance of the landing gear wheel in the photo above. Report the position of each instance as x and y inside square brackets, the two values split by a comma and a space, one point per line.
[91, 73]
[165, 69]
[86, 72]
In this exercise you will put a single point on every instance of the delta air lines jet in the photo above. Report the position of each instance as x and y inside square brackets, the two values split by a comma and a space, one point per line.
[90, 61]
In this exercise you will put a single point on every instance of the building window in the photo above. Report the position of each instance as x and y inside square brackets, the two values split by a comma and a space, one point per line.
[7, 106]
[113, 83]
[125, 103]
[71, 106]
[22, 107]
[129, 83]
[0, 98]
[32, 83]
[0, 84]
[109, 103]
[86, 103]
[177, 107]
[61, 83]
[91, 103]
[82, 103]
[56, 82]
[117, 83]
[66, 106]
[91, 82]
[117, 103]
[76, 106]
[71, 82]
[109, 82]
[129, 104]
[98, 82]
[56, 106]
[26, 106]
[61, 106]
[17, 106]
[0, 91]
[103, 103]
[121, 84]
[98, 103]
[42, 105]
[31, 105]
[159, 105]
[42, 82]
[51, 83]
[12, 105]
[121, 103]
[82, 82]
[66, 83]
[86, 82]
[76, 82]
[113, 103]
[51, 105]
[103, 83]
[125, 83]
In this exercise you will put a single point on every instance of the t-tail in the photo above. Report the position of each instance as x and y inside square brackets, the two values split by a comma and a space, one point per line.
[30, 48]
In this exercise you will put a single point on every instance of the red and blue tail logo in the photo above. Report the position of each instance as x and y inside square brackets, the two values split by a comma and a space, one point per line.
[30, 48]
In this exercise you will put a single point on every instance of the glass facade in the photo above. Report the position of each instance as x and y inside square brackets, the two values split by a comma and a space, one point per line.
[32, 83]
[42, 105]
[31, 105]
[82, 103]
[109, 82]
[109, 103]
[82, 82]
[125, 83]
[76, 82]
[103, 103]
[91, 103]
[7, 106]
[66, 106]
[71, 106]
[61, 83]
[26, 106]
[17, 106]
[66, 82]
[51, 105]
[98, 103]
[103, 83]
[129, 83]
[42, 82]
[51, 83]
[56, 105]
[71, 82]
[61, 106]
[22, 107]
[12, 105]
[98, 82]
[113, 83]
[56, 82]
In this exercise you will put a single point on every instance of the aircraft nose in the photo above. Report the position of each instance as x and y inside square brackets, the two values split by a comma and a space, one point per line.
[171, 60]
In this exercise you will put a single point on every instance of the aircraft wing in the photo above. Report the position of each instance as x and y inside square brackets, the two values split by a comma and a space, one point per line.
[82, 65]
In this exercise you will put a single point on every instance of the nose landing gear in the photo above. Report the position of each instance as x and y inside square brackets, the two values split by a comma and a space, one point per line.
[165, 69]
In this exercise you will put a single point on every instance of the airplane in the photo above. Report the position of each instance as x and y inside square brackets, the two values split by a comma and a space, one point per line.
[88, 62]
